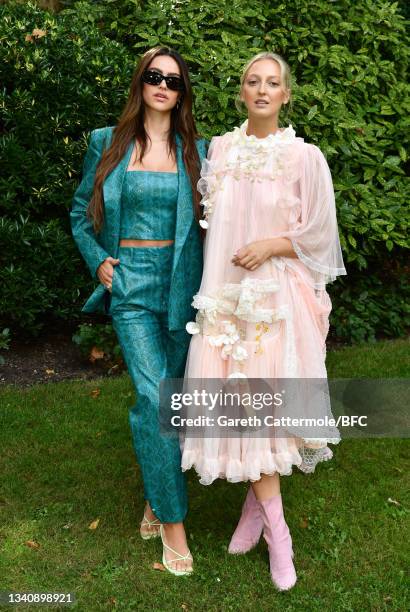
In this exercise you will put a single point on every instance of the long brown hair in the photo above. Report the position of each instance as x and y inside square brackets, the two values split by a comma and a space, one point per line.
[131, 126]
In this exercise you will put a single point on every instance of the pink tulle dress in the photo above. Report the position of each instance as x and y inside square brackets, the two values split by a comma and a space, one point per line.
[271, 322]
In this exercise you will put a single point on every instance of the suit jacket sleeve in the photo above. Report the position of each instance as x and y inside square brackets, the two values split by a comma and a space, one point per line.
[82, 227]
[204, 148]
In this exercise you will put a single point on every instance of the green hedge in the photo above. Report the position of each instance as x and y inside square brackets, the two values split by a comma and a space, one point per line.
[350, 98]
[55, 89]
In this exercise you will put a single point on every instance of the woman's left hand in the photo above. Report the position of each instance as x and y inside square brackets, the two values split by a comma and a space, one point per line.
[253, 254]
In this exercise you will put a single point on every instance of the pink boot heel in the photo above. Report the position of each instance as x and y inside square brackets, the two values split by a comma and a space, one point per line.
[249, 529]
[277, 536]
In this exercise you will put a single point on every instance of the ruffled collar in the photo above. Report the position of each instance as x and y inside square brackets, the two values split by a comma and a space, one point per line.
[285, 136]
[245, 157]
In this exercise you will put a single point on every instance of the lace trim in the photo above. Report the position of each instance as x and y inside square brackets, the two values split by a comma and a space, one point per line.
[244, 156]
[209, 468]
[330, 273]
[312, 456]
[240, 300]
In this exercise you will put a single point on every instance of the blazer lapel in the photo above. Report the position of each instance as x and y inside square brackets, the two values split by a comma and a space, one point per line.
[185, 212]
[112, 188]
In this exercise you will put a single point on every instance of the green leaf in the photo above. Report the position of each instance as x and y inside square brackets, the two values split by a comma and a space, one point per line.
[312, 112]
[386, 109]
[369, 173]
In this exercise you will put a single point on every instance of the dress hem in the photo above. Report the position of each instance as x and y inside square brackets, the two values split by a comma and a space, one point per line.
[234, 472]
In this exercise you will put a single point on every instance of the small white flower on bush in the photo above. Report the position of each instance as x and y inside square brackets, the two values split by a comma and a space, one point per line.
[192, 327]
[203, 223]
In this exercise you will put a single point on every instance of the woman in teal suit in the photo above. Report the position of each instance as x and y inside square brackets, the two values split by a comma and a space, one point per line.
[135, 220]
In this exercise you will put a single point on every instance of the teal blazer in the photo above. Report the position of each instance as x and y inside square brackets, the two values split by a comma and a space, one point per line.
[188, 251]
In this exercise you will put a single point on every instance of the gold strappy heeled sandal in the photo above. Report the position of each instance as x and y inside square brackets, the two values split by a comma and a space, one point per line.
[150, 534]
[178, 557]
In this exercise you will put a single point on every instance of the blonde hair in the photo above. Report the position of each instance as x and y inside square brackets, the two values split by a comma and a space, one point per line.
[285, 76]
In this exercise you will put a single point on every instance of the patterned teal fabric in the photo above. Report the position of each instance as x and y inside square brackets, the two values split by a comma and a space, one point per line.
[150, 304]
[187, 259]
[145, 193]
[139, 309]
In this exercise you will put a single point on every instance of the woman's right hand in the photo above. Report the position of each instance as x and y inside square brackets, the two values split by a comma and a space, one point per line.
[106, 270]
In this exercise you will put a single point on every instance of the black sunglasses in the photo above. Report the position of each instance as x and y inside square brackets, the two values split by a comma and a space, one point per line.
[152, 77]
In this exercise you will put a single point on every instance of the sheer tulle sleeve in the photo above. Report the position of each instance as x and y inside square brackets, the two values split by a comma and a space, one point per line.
[314, 235]
[208, 184]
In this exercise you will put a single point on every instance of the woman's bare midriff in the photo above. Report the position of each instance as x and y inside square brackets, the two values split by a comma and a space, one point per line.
[130, 242]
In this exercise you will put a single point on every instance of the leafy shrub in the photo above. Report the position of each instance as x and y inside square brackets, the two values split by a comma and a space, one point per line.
[4, 343]
[54, 90]
[4, 338]
[39, 274]
[57, 85]
[350, 97]
[363, 304]
[98, 342]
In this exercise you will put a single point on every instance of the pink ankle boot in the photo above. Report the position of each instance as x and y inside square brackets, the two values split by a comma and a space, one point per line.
[277, 535]
[249, 528]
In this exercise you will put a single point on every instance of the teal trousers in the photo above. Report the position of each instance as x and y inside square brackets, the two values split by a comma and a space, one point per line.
[139, 307]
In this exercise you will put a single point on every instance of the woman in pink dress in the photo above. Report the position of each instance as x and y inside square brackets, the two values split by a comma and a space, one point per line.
[271, 246]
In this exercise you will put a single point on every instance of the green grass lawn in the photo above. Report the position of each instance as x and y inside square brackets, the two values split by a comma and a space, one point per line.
[67, 460]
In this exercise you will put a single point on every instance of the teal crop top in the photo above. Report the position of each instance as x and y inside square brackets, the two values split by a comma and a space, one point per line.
[148, 205]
